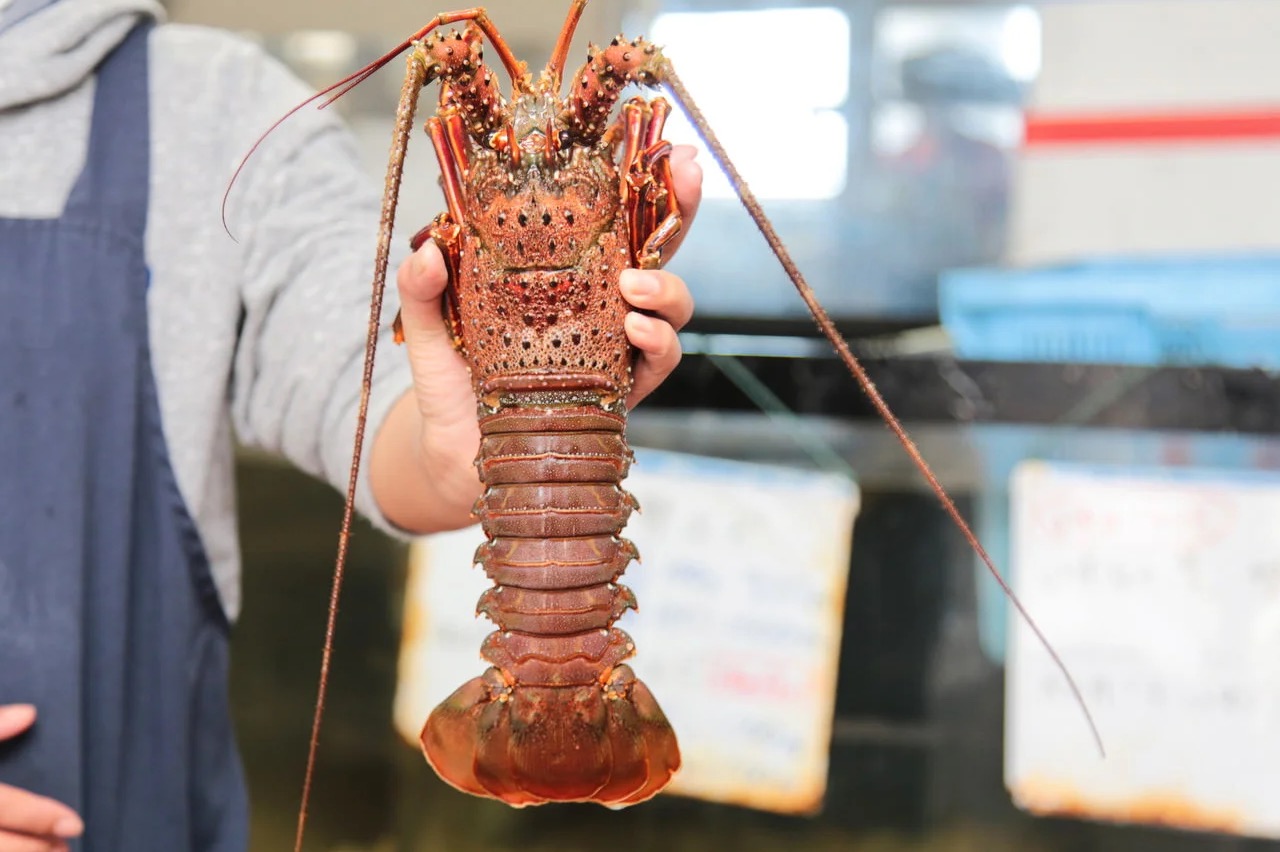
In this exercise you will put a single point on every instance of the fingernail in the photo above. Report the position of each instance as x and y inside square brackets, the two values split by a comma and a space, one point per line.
[68, 826]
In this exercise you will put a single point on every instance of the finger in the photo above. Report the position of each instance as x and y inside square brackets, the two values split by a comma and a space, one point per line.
[659, 354]
[686, 175]
[663, 293]
[440, 376]
[15, 718]
[421, 280]
[11, 842]
[28, 813]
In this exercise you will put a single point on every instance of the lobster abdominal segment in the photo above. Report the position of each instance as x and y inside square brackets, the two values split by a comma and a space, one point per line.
[553, 488]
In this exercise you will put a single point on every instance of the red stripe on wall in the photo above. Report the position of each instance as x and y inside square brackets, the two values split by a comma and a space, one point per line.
[1151, 128]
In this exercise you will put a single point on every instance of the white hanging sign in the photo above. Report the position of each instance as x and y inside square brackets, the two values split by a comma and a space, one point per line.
[1161, 591]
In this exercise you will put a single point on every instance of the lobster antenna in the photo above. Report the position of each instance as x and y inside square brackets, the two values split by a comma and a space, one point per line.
[561, 54]
[334, 92]
[415, 79]
[829, 330]
[515, 69]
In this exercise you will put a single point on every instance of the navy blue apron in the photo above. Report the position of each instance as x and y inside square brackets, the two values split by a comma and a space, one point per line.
[109, 619]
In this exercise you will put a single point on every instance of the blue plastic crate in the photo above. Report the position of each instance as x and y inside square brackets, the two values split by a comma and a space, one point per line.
[1178, 310]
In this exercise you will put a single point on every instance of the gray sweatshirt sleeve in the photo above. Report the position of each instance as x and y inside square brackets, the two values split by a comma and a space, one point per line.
[306, 218]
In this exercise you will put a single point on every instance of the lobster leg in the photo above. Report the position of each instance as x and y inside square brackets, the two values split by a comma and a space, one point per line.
[446, 228]
[456, 133]
[449, 175]
[660, 110]
[648, 189]
[447, 235]
[667, 230]
[633, 123]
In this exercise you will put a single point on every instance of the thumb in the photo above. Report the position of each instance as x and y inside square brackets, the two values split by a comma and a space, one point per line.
[15, 718]
[440, 375]
[421, 280]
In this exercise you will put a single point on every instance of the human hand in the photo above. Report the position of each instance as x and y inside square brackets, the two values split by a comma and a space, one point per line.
[662, 293]
[445, 402]
[31, 823]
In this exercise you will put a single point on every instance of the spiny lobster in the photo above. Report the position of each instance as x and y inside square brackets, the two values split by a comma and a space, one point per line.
[548, 199]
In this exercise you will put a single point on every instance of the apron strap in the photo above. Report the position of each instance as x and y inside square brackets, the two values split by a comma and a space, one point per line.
[117, 169]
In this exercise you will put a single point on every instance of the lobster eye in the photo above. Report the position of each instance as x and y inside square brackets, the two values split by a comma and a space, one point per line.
[566, 141]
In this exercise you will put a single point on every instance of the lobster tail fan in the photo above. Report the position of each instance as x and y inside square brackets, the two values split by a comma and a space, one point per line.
[529, 745]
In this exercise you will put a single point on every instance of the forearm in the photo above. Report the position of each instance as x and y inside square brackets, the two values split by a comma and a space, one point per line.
[424, 486]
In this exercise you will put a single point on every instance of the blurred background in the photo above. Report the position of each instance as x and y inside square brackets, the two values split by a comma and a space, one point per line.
[1049, 228]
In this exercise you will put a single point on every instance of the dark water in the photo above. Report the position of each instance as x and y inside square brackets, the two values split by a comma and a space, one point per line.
[916, 761]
